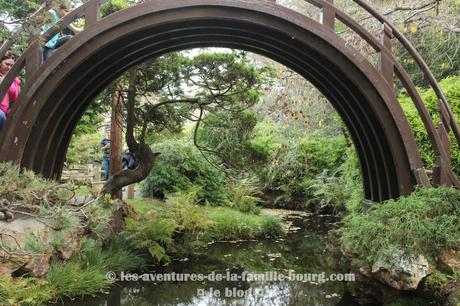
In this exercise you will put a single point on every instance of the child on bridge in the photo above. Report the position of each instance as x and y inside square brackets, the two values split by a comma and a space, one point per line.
[6, 63]
[57, 40]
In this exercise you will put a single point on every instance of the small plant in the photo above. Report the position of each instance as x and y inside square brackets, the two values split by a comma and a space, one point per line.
[154, 234]
[244, 194]
[25, 291]
[71, 280]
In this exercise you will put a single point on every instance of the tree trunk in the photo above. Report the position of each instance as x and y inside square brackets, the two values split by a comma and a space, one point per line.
[116, 139]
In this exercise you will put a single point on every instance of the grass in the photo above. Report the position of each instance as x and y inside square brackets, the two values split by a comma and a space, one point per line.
[84, 274]
[144, 205]
[217, 223]
[229, 224]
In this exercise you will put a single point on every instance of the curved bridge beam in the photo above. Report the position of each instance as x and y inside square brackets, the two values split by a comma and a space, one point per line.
[58, 92]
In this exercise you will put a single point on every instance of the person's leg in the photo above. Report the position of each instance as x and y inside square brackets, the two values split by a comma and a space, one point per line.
[2, 119]
[106, 164]
[46, 52]
[62, 40]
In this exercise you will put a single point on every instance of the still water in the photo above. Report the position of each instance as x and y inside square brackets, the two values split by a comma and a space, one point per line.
[251, 272]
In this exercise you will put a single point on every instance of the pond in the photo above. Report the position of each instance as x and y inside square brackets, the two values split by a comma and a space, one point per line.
[291, 270]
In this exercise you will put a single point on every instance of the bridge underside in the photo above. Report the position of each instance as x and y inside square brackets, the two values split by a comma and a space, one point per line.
[45, 117]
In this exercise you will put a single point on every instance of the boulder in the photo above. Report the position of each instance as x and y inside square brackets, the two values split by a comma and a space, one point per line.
[401, 271]
[14, 254]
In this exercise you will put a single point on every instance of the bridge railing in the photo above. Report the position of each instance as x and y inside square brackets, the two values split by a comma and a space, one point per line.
[388, 67]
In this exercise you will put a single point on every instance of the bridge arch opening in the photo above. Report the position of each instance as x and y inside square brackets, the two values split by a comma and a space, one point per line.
[97, 56]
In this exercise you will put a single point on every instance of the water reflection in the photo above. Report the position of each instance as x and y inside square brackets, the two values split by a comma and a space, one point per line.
[303, 250]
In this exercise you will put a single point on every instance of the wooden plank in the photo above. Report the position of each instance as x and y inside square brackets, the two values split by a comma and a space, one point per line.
[92, 14]
[328, 15]
[385, 63]
[33, 60]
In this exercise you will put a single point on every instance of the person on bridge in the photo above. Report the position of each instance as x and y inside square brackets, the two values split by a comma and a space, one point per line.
[6, 63]
[105, 146]
[57, 40]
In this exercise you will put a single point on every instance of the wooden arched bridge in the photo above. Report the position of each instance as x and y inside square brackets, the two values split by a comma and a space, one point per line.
[56, 93]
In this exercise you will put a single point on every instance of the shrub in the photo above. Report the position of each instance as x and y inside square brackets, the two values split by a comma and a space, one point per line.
[343, 190]
[180, 167]
[154, 234]
[244, 194]
[180, 225]
[451, 89]
[425, 222]
[295, 164]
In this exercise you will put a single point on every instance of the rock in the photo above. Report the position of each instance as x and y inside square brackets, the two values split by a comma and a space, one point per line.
[38, 266]
[11, 262]
[404, 272]
[15, 256]
[449, 261]
[13, 235]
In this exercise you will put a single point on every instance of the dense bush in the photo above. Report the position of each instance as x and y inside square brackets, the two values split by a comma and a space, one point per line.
[341, 190]
[227, 134]
[293, 164]
[451, 89]
[180, 167]
[426, 222]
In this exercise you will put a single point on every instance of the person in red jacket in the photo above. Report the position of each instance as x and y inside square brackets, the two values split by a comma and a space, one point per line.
[6, 63]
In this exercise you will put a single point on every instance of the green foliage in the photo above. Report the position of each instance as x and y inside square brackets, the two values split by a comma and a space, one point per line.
[230, 224]
[226, 79]
[24, 291]
[438, 47]
[244, 194]
[118, 257]
[227, 133]
[351, 181]
[187, 215]
[71, 280]
[20, 8]
[180, 167]
[32, 244]
[113, 6]
[154, 234]
[426, 222]
[180, 225]
[293, 164]
[451, 89]
[83, 274]
[343, 190]
[17, 186]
